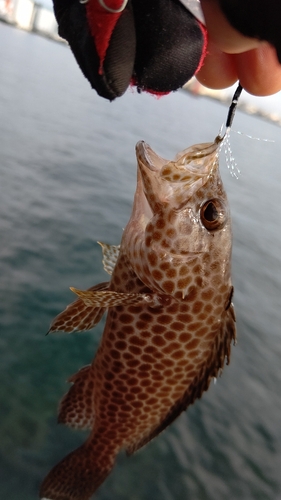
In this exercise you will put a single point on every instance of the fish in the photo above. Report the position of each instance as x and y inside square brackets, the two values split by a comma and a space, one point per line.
[170, 317]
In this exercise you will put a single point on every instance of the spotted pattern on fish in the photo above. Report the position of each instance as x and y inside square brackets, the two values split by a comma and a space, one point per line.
[170, 320]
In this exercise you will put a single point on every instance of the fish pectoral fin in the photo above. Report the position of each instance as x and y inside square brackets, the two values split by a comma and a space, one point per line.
[77, 406]
[110, 298]
[78, 316]
[110, 255]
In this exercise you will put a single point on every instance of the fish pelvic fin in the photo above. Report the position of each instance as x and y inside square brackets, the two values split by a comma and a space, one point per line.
[77, 406]
[78, 316]
[109, 298]
[78, 475]
[110, 256]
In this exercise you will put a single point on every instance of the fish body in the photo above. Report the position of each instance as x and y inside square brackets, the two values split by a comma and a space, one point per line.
[170, 320]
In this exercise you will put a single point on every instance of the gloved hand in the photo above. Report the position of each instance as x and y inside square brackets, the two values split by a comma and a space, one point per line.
[258, 19]
[156, 45]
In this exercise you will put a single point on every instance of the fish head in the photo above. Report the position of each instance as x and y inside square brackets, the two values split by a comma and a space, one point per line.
[180, 214]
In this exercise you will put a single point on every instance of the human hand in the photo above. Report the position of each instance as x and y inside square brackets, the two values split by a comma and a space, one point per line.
[157, 45]
[232, 56]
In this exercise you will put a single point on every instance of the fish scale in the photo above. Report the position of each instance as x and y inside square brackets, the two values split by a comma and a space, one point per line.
[170, 320]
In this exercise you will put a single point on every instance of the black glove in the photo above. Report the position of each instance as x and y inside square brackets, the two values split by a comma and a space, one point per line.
[256, 18]
[156, 45]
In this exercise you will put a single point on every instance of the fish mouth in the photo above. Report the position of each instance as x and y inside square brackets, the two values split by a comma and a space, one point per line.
[148, 157]
[175, 181]
[188, 165]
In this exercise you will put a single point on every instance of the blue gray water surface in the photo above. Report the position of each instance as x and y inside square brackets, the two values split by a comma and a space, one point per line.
[67, 178]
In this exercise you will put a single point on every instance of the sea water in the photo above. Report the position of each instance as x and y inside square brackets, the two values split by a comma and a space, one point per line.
[67, 179]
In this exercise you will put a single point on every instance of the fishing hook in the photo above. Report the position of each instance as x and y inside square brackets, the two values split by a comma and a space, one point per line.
[233, 105]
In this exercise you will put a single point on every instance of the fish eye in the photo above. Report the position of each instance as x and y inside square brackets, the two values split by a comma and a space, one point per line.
[213, 214]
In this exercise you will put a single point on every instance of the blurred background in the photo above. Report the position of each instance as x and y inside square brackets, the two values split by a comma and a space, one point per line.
[67, 179]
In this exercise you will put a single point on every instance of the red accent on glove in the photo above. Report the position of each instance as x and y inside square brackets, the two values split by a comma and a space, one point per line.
[102, 24]
[204, 48]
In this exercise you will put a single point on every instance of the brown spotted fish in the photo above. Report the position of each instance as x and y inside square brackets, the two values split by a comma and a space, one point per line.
[170, 319]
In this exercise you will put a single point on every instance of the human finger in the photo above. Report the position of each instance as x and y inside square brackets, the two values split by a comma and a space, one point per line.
[259, 70]
[218, 70]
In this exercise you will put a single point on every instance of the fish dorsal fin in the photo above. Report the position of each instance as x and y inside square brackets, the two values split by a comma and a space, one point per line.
[110, 255]
[76, 407]
[109, 298]
[213, 368]
[77, 316]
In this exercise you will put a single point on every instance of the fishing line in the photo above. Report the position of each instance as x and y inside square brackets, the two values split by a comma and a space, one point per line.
[230, 160]
[231, 113]
[251, 137]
